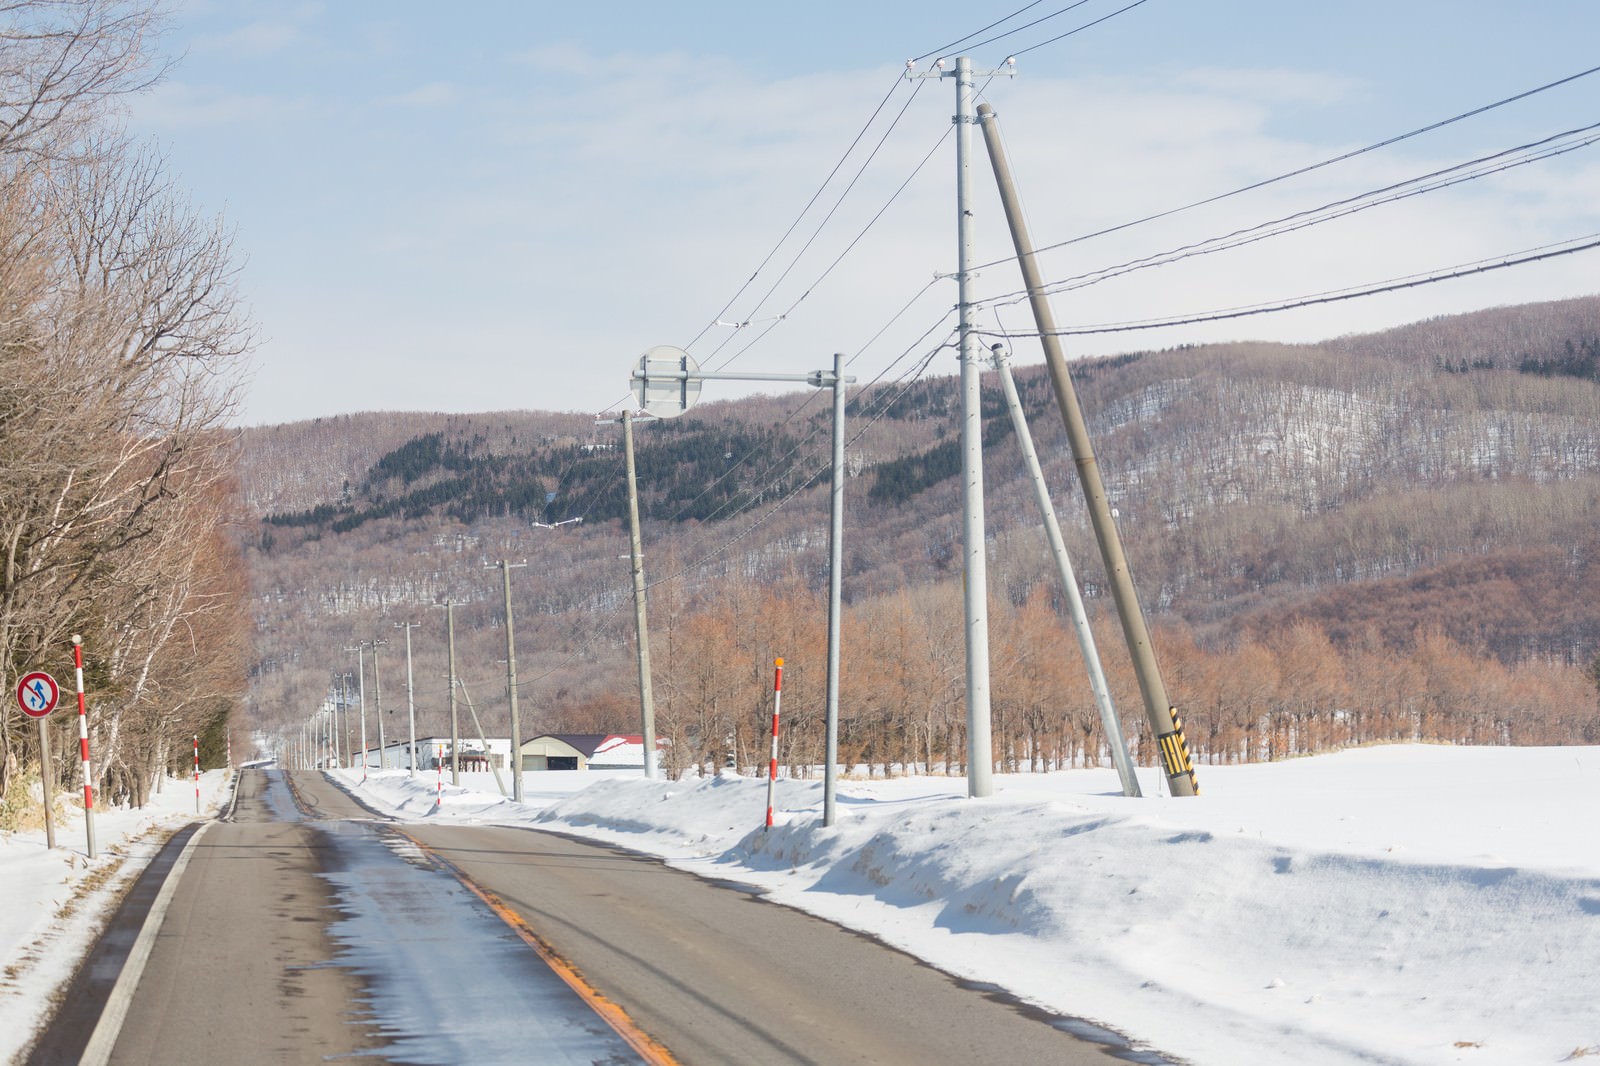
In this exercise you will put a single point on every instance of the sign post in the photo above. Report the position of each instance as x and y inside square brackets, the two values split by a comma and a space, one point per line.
[666, 383]
[37, 694]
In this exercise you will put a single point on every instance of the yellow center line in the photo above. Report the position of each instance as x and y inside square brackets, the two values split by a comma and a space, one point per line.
[648, 1048]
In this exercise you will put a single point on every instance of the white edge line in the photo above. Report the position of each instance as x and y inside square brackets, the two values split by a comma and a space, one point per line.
[109, 1027]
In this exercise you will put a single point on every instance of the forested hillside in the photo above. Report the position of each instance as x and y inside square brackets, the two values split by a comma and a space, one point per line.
[1418, 505]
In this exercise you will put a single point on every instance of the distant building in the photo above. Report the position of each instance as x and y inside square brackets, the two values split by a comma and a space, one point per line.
[586, 751]
[434, 752]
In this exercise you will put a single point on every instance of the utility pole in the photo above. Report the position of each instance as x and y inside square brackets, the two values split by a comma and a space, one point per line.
[666, 382]
[377, 686]
[511, 682]
[830, 768]
[361, 690]
[450, 645]
[339, 754]
[1162, 716]
[647, 705]
[411, 703]
[975, 572]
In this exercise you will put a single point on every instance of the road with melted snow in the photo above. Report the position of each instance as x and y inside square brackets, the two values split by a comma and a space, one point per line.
[306, 929]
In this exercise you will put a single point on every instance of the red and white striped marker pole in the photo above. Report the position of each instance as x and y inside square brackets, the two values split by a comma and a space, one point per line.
[197, 773]
[439, 798]
[772, 767]
[83, 743]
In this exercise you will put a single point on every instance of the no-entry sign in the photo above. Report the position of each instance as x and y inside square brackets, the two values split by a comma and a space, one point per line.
[37, 694]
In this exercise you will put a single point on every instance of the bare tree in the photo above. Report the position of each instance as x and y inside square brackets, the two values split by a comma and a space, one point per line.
[66, 62]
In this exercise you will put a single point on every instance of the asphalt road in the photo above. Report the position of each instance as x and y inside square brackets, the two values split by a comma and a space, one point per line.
[254, 961]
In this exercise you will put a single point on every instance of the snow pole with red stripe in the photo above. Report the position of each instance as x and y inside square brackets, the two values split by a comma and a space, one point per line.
[83, 743]
[772, 767]
[439, 799]
[197, 773]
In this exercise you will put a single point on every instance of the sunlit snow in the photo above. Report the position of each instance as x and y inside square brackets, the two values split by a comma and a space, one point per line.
[1408, 904]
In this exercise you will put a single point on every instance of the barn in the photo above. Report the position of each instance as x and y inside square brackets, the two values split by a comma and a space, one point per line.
[584, 751]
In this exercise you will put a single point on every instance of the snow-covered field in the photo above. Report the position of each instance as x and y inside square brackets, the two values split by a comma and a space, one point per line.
[1412, 904]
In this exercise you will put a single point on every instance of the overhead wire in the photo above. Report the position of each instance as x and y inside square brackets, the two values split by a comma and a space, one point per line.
[1016, 30]
[923, 365]
[1470, 170]
[945, 49]
[862, 389]
[805, 484]
[1309, 168]
[865, 126]
[599, 625]
[1410, 281]
[1080, 29]
[828, 218]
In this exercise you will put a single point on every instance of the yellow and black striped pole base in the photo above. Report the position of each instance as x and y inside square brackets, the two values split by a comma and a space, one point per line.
[1175, 758]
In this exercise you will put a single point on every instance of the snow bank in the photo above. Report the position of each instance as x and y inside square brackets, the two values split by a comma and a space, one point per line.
[1411, 904]
[57, 901]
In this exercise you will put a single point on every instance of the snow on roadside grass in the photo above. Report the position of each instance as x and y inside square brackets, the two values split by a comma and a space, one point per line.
[1408, 904]
[55, 902]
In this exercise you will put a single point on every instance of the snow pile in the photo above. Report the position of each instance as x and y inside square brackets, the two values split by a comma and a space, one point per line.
[1410, 904]
[56, 901]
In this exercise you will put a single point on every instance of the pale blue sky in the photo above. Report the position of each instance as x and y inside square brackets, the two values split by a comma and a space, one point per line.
[491, 205]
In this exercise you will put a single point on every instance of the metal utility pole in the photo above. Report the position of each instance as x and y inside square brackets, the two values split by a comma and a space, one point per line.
[1109, 723]
[830, 769]
[377, 687]
[647, 704]
[450, 644]
[975, 573]
[361, 690]
[666, 383]
[1159, 711]
[511, 683]
[340, 755]
[411, 703]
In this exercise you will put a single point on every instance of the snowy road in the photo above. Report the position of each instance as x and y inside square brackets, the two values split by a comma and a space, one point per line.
[305, 929]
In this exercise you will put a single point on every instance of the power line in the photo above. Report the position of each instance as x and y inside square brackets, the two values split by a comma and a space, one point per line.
[1481, 266]
[599, 626]
[829, 217]
[805, 210]
[945, 50]
[1484, 166]
[1431, 127]
[1080, 29]
[1012, 32]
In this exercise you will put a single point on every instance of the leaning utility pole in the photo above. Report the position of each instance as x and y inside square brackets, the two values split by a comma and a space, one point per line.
[511, 683]
[1161, 714]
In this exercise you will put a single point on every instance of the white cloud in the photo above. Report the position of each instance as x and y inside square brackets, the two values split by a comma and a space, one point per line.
[433, 94]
